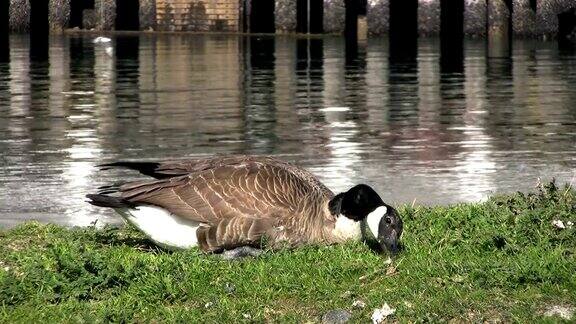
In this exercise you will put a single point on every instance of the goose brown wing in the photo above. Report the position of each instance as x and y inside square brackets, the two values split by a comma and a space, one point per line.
[248, 190]
[168, 169]
[172, 168]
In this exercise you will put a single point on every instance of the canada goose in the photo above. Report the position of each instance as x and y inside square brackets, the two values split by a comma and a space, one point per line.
[224, 203]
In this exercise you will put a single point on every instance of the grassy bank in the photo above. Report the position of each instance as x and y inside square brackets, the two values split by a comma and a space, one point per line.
[498, 260]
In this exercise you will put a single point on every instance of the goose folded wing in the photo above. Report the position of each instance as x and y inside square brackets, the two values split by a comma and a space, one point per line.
[175, 168]
[168, 169]
[228, 191]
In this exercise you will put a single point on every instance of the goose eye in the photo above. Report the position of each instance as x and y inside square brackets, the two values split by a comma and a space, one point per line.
[388, 220]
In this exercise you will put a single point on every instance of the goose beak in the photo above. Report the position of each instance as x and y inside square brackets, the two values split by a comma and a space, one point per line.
[390, 242]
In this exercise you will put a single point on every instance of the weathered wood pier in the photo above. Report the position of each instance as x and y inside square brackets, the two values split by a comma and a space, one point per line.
[376, 17]
[402, 20]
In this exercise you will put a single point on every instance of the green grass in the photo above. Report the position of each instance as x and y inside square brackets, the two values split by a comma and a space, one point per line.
[501, 260]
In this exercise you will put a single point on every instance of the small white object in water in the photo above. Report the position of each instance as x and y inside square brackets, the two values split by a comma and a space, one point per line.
[101, 40]
[109, 50]
[335, 109]
[380, 314]
[558, 224]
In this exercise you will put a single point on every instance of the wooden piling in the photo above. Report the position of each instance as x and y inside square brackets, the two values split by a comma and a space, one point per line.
[39, 30]
[403, 29]
[4, 29]
[451, 35]
[499, 28]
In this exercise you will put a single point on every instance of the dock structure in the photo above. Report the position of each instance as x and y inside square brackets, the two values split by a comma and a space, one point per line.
[480, 18]
[499, 27]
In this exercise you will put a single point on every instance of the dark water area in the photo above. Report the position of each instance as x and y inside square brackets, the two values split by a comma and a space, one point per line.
[419, 128]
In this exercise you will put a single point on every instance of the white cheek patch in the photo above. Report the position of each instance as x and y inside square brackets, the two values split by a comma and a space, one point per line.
[373, 219]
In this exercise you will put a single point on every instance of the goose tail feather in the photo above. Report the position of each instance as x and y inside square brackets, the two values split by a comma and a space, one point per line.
[146, 168]
[102, 200]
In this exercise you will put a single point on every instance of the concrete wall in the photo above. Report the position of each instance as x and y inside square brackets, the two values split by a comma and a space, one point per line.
[19, 15]
[59, 15]
[334, 16]
[285, 15]
[475, 18]
[547, 15]
[198, 15]
[428, 17]
[377, 15]
[524, 19]
[147, 14]
[105, 14]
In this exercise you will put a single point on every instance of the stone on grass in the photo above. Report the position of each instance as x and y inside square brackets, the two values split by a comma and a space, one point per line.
[564, 312]
[336, 316]
[558, 224]
[229, 288]
[358, 304]
[380, 314]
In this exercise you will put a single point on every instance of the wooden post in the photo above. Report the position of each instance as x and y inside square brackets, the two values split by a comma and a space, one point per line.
[248, 15]
[499, 28]
[4, 31]
[403, 29]
[451, 35]
[39, 30]
[308, 17]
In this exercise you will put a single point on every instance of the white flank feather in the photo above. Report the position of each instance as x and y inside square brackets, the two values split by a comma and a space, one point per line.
[162, 227]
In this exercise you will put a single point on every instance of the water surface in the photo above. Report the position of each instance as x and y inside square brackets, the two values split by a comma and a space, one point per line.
[417, 130]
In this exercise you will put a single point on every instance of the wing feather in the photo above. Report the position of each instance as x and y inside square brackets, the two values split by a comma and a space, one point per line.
[250, 189]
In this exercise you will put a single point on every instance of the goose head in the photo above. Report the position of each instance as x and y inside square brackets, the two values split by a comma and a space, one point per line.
[378, 220]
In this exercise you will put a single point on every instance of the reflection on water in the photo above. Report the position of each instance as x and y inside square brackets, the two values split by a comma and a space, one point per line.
[416, 126]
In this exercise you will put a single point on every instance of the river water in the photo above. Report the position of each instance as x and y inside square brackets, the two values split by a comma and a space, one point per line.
[417, 130]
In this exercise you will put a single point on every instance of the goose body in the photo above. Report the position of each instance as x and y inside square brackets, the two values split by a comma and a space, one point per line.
[223, 203]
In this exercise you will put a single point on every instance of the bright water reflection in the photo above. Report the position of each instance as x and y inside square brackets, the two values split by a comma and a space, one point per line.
[416, 129]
